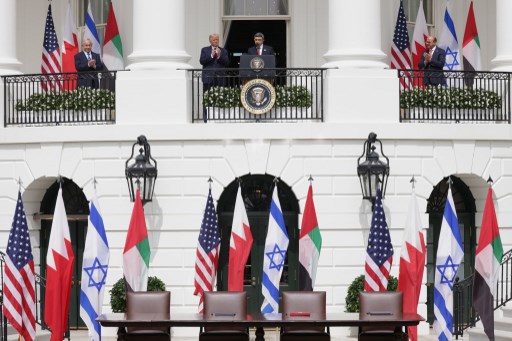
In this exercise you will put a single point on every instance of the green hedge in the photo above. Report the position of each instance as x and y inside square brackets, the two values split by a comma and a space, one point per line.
[229, 97]
[80, 99]
[450, 98]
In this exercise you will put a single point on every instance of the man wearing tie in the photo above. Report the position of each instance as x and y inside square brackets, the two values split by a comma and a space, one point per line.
[85, 63]
[258, 48]
[212, 59]
[432, 62]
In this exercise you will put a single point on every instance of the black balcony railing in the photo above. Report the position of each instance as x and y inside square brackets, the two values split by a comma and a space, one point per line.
[459, 96]
[464, 315]
[55, 99]
[299, 96]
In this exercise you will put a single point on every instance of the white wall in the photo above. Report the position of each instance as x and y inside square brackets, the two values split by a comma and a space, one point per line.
[185, 163]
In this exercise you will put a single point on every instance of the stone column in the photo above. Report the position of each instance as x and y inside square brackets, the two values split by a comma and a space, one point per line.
[503, 59]
[155, 66]
[9, 63]
[355, 35]
[158, 35]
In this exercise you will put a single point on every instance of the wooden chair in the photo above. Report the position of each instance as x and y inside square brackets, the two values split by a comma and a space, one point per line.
[141, 303]
[224, 305]
[308, 305]
[386, 304]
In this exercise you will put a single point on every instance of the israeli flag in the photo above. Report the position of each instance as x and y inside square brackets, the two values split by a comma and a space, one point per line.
[449, 43]
[276, 246]
[91, 32]
[94, 271]
[449, 256]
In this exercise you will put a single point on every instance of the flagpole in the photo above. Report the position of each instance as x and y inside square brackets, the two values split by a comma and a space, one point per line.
[210, 181]
[413, 183]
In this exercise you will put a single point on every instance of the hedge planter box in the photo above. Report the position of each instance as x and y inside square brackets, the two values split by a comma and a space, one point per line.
[45, 117]
[452, 115]
[277, 114]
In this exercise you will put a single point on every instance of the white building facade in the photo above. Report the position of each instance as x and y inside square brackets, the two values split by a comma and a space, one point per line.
[162, 38]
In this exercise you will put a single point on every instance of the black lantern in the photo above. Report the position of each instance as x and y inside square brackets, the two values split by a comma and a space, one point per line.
[141, 173]
[373, 173]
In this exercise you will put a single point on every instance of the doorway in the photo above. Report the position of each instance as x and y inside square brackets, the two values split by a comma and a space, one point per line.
[77, 211]
[240, 33]
[465, 208]
[257, 195]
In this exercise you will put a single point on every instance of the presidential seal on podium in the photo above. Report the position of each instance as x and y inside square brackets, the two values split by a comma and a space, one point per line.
[258, 96]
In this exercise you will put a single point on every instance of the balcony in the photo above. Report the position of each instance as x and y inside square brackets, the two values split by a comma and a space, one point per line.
[466, 97]
[298, 95]
[54, 99]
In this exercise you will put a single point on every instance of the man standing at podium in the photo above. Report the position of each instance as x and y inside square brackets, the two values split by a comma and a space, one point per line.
[212, 58]
[260, 49]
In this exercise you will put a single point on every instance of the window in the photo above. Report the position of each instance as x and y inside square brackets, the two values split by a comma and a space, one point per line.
[99, 10]
[255, 7]
[411, 11]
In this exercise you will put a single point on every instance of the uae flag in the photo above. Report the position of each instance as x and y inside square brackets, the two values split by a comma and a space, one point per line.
[112, 45]
[487, 264]
[310, 243]
[136, 250]
[471, 48]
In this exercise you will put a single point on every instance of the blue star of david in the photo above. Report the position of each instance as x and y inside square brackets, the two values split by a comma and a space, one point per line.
[442, 269]
[101, 270]
[455, 61]
[281, 254]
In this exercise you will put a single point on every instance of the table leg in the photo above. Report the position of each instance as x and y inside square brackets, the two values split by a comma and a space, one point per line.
[260, 334]
[121, 332]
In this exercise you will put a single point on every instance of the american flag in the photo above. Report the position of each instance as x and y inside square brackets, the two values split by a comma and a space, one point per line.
[379, 254]
[51, 53]
[207, 252]
[400, 48]
[19, 304]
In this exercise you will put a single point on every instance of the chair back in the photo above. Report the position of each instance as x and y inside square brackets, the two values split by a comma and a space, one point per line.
[304, 303]
[381, 303]
[141, 303]
[225, 305]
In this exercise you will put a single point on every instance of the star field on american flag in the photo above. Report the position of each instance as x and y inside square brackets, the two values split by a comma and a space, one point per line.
[207, 253]
[400, 48]
[19, 248]
[19, 303]
[379, 253]
[379, 242]
[51, 53]
[209, 237]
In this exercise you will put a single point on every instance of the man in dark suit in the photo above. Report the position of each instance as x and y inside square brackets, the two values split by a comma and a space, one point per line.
[85, 62]
[212, 59]
[259, 48]
[432, 62]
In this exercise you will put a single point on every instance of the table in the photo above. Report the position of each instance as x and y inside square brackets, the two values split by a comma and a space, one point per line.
[259, 321]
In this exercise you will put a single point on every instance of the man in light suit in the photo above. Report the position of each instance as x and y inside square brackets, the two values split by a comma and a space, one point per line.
[85, 62]
[432, 62]
[259, 48]
[212, 59]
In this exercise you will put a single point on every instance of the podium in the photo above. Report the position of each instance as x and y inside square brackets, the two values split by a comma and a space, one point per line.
[254, 66]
